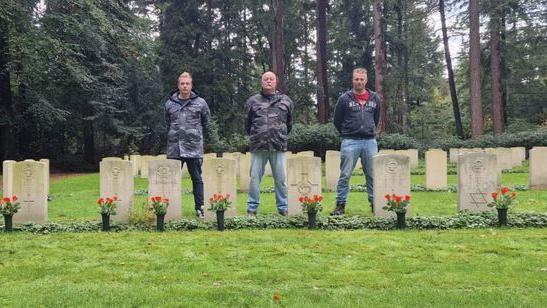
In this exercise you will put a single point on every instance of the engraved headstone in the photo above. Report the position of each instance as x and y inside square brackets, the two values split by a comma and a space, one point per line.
[304, 179]
[117, 180]
[46, 161]
[7, 177]
[110, 158]
[144, 161]
[436, 169]
[478, 177]
[332, 169]
[164, 179]
[245, 171]
[29, 178]
[538, 168]
[220, 178]
[135, 162]
[391, 176]
[518, 155]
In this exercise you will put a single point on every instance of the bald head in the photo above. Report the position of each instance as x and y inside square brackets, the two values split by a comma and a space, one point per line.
[269, 83]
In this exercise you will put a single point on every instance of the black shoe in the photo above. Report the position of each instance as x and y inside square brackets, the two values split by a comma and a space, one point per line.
[251, 213]
[339, 210]
[200, 213]
[284, 213]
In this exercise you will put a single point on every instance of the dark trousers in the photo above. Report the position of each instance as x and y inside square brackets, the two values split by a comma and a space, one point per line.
[194, 168]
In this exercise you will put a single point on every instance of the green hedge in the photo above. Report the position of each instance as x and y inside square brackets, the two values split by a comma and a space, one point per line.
[526, 139]
[320, 138]
[459, 221]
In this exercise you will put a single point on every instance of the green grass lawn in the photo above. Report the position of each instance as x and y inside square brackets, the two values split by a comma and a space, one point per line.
[292, 268]
[73, 198]
[300, 268]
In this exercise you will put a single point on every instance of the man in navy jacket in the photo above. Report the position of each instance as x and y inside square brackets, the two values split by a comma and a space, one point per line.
[356, 117]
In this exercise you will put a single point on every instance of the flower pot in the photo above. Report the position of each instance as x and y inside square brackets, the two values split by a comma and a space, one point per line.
[106, 222]
[220, 220]
[160, 226]
[401, 220]
[312, 220]
[8, 223]
[502, 217]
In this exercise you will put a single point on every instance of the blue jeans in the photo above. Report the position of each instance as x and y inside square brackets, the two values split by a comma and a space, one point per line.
[350, 151]
[278, 162]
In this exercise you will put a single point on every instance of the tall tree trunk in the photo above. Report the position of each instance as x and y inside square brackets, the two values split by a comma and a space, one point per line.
[8, 146]
[322, 80]
[495, 72]
[451, 82]
[504, 69]
[278, 46]
[89, 142]
[379, 59]
[402, 30]
[475, 70]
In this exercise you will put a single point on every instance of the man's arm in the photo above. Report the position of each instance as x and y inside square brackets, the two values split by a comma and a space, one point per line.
[248, 117]
[167, 117]
[289, 115]
[205, 115]
[377, 111]
[205, 123]
[339, 114]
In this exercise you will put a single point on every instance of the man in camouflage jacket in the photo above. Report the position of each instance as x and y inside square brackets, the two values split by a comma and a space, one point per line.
[187, 117]
[268, 121]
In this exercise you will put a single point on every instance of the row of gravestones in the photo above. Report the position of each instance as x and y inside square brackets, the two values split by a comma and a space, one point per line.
[219, 176]
[478, 176]
[436, 164]
[435, 174]
[140, 162]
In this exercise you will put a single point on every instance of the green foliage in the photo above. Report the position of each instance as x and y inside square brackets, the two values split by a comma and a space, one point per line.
[396, 142]
[318, 138]
[526, 139]
[459, 221]
[89, 79]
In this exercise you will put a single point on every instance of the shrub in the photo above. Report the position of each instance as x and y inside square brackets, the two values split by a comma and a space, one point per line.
[460, 221]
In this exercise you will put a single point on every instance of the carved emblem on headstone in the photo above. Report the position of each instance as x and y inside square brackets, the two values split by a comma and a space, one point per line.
[164, 175]
[116, 172]
[304, 186]
[392, 166]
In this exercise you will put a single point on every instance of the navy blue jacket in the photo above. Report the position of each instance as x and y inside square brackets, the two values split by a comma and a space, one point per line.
[353, 121]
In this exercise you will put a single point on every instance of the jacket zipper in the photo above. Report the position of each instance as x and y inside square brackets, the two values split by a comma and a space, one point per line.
[362, 111]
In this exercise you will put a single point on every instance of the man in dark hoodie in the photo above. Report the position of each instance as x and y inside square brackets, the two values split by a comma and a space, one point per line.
[268, 120]
[187, 117]
[356, 118]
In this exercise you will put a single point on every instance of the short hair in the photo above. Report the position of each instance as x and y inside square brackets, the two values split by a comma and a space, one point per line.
[184, 75]
[360, 70]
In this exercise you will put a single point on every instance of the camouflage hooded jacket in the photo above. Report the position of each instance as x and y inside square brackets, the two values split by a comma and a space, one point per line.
[187, 122]
[268, 121]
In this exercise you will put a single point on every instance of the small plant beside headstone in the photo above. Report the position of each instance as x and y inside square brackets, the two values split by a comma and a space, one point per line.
[8, 207]
[502, 201]
[398, 204]
[311, 206]
[159, 206]
[219, 204]
[107, 207]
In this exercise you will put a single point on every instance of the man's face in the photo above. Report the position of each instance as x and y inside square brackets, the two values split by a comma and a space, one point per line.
[269, 82]
[185, 85]
[359, 81]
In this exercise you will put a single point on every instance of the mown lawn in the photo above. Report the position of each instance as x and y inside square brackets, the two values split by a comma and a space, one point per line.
[292, 268]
